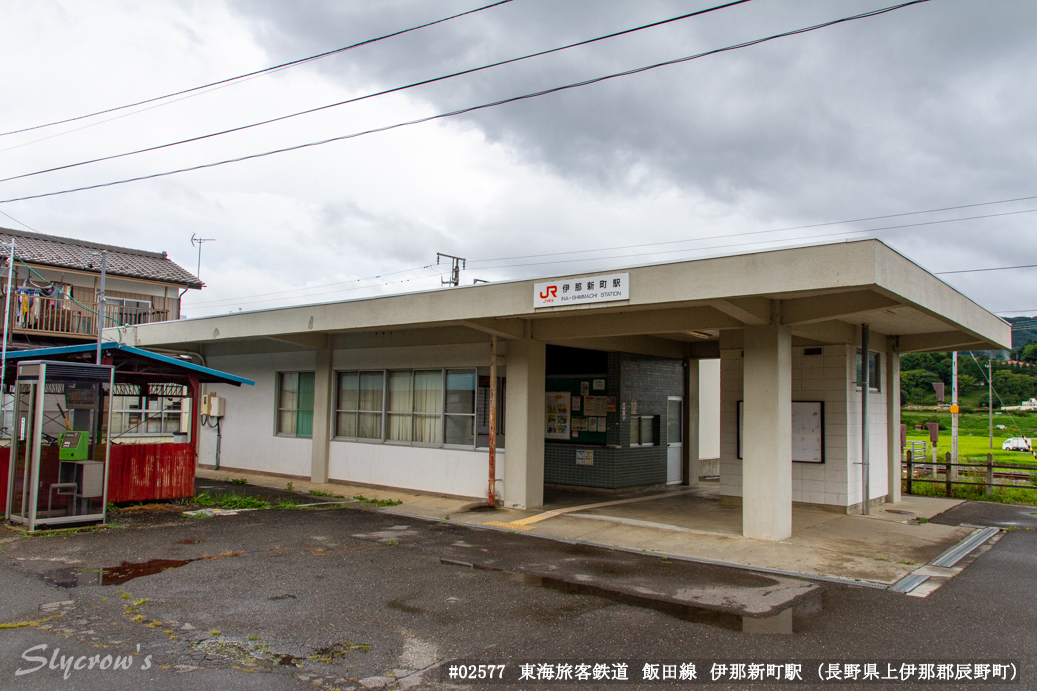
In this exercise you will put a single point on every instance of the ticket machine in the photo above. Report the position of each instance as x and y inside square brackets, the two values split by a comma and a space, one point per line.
[59, 444]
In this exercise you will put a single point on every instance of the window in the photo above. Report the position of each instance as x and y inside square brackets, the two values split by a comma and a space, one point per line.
[460, 407]
[873, 371]
[432, 406]
[360, 403]
[643, 430]
[141, 411]
[674, 424]
[295, 404]
[401, 404]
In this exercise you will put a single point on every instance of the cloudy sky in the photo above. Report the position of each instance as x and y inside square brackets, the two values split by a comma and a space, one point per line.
[927, 107]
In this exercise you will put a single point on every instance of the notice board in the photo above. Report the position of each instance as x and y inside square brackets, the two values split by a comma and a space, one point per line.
[585, 409]
[808, 431]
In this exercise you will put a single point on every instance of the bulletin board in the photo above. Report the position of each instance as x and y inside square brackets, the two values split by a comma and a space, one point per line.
[808, 431]
[587, 407]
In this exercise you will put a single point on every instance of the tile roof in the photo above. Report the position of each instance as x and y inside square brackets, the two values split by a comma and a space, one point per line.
[67, 253]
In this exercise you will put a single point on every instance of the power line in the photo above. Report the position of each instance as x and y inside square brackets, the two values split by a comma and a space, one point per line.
[376, 94]
[436, 274]
[774, 230]
[462, 111]
[317, 287]
[992, 268]
[757, 242]
[256, 73]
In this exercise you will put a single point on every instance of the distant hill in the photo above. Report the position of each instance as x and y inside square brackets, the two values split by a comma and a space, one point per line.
[1022, 336]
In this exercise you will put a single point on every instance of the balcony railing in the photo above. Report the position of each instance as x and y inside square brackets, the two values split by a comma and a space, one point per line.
[64, 317]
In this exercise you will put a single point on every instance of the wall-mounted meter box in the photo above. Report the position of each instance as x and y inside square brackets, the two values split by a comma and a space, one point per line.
[73, 446]
[217, 406]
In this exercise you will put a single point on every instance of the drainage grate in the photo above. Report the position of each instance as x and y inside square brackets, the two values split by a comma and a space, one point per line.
[908, 583]
[956, 553]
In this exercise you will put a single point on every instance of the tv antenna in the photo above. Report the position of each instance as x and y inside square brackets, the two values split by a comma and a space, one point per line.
[197, 240]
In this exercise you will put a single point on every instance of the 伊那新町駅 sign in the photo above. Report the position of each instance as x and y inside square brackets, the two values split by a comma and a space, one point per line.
[571, 291]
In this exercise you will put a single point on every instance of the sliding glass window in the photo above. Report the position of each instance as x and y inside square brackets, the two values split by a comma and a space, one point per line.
[428, 406]
[295, 404]
[359, 409]
[460, 407]
[401, 405]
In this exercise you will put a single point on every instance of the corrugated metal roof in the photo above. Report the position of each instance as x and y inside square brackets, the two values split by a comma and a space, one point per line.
[67, 253]
[44, 353]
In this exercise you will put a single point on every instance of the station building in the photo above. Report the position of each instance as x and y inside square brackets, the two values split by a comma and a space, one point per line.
[607, 381]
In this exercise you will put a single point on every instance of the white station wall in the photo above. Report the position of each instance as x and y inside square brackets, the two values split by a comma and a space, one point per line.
[249, 441]
[829, 377]
[709, 409]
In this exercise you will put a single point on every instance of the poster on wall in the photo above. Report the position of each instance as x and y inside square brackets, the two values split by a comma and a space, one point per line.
[557, 423]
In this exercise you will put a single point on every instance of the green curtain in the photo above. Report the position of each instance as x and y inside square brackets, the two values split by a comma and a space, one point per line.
[304, 422]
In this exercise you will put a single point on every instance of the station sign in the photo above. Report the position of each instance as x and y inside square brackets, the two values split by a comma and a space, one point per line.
[573, 291]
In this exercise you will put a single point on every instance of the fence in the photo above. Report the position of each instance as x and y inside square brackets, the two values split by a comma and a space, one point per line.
[57, 315]
[951, 471]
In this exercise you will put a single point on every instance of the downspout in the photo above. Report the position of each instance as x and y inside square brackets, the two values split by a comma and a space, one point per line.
[865, 386]
[492, 492]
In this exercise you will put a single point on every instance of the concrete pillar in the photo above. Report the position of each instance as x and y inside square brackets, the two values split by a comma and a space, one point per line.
[893, 423]
[525, 412]
[690, 470]
[767, 433]
[323, 386]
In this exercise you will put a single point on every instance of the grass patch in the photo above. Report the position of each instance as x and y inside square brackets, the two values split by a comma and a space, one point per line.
[377, 502]
[285, 504]
[20, 624]
[1001, 495]
[974, 449]
[230, 501]
[239, 481]
[318, 493]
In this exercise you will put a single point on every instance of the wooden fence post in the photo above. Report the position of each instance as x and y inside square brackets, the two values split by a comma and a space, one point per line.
[990, 473]
[948, 459]
[910, 469]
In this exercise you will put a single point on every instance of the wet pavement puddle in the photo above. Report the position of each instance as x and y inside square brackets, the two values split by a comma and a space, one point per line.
[112, 575]
[783, 622]
[789, 620]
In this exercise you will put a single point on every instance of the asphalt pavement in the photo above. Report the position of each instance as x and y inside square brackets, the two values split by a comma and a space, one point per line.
[348, 597]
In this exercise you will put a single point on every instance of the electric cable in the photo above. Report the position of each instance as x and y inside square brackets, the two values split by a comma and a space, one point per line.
[746, 233]
[758, 242]
[471, 109]
[375, 94]
[256, 73]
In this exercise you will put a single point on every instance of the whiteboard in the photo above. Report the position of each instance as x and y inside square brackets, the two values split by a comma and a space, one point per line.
[808, 431]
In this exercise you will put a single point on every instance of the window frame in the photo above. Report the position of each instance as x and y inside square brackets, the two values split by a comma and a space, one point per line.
[654, 422]
[381, 412]
[412, 414]
[874, 383]
[278, 391]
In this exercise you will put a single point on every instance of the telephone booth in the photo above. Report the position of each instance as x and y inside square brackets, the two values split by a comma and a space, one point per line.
[58, 473]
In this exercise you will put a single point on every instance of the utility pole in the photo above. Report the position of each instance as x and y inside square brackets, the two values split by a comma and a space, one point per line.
[457, 263]
[990, 401]
[197, 240]
[100, 304]
[7, 316]
[954, 406]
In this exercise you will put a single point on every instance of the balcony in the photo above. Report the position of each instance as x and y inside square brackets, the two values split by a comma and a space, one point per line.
[61, 317]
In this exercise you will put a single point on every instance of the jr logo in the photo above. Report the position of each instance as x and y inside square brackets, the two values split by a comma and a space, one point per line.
[549, 292]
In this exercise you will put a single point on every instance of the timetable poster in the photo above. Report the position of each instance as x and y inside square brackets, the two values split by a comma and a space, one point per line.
[558, 411]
